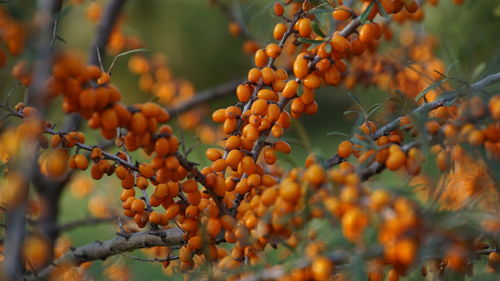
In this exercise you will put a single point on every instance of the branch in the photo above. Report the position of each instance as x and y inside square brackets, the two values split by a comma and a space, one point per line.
[105, 27]
[219, 91]
[426, 107]
[83, 222]
[102, 250]
[226, 11]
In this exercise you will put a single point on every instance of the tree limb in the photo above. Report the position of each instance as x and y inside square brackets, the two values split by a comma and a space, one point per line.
[120, 244]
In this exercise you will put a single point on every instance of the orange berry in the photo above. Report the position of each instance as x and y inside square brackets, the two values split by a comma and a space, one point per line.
[366, 33]
[300, 68]
[304, 27]
[282, 147]
[243, 92]
[345, 149]
[219, 115]
[261, 58]
[395, 160]
[322, 269]
[273, 50]
[279, 31]
[213, 227]
[341, 13]
[340, 43]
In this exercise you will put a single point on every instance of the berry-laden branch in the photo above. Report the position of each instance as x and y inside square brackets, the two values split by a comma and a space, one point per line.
[445, 98]
[100, 250]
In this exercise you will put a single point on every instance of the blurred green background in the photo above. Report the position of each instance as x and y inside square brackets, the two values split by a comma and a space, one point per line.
[195, 39]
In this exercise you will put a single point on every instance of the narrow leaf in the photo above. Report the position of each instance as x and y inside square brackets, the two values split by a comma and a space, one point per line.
[317, 29]
[373, 109]
[309, 41]
[430, 88]
[337, 134]
[124, 54]
[366, 13]
[382, 10]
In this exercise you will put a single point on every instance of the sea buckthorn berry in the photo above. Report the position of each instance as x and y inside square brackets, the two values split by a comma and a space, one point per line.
[279, 31]
[234, 28]
[395, 160]
[282, 147]
[233, 158]
[341, 13]
[312, 81]
[304, 27]
[142, 182]
[300, 68]
[232, 112]
[332, 76]
[344, 149]
[267, 94]
[268, 76]
[253, 75]
[233, 142]
[138, 206]
[248, 165]
[146, 170]
[55, 140]
[219, 165]
[322, 269]
[213, 154]
[81, 162]
[340, 43]
[261, 58]
[190, 186]
[278, 9]
[315, 175]
[290, 89]
[219, 115]
[366, 33]
[138, 123]
[213, 227]
[273, 50]
[259, 107]
[243, 92]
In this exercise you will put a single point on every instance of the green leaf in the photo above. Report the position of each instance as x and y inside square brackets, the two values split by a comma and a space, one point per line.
[478, 70]
[382, 10]
[319, 19]
[373, 109]
[317, 29]
[366, 13]
[430, 88]
[309, 41]
[337, 134]
[140, 50]
[356, 100]
[351, 112]
[320, 11]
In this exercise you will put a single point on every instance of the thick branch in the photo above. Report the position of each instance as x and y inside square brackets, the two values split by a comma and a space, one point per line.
[219, 91]
[123, 243]
[104, 29]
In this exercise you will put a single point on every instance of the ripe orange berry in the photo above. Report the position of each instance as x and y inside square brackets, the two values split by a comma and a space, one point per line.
[278, 9]
[138, 206]
[341, 13]
[344, 149]
[234, 28]
[146, 170]
[340, 43]
[315, 175]
[267, 75]
[273, 50]
[290, 89]
[395, 160]
[172, 211]
[233, 158]
[243, 92]
[282, 147]
[366, 33]
[213, 227]
[322, 269]
[304, 27]
[261, 58]
[289, 191]
[279, 31]
[81, 162]
[312, 81]
[219, 115]
[300, 68]
[253, 75]
[259, 107]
